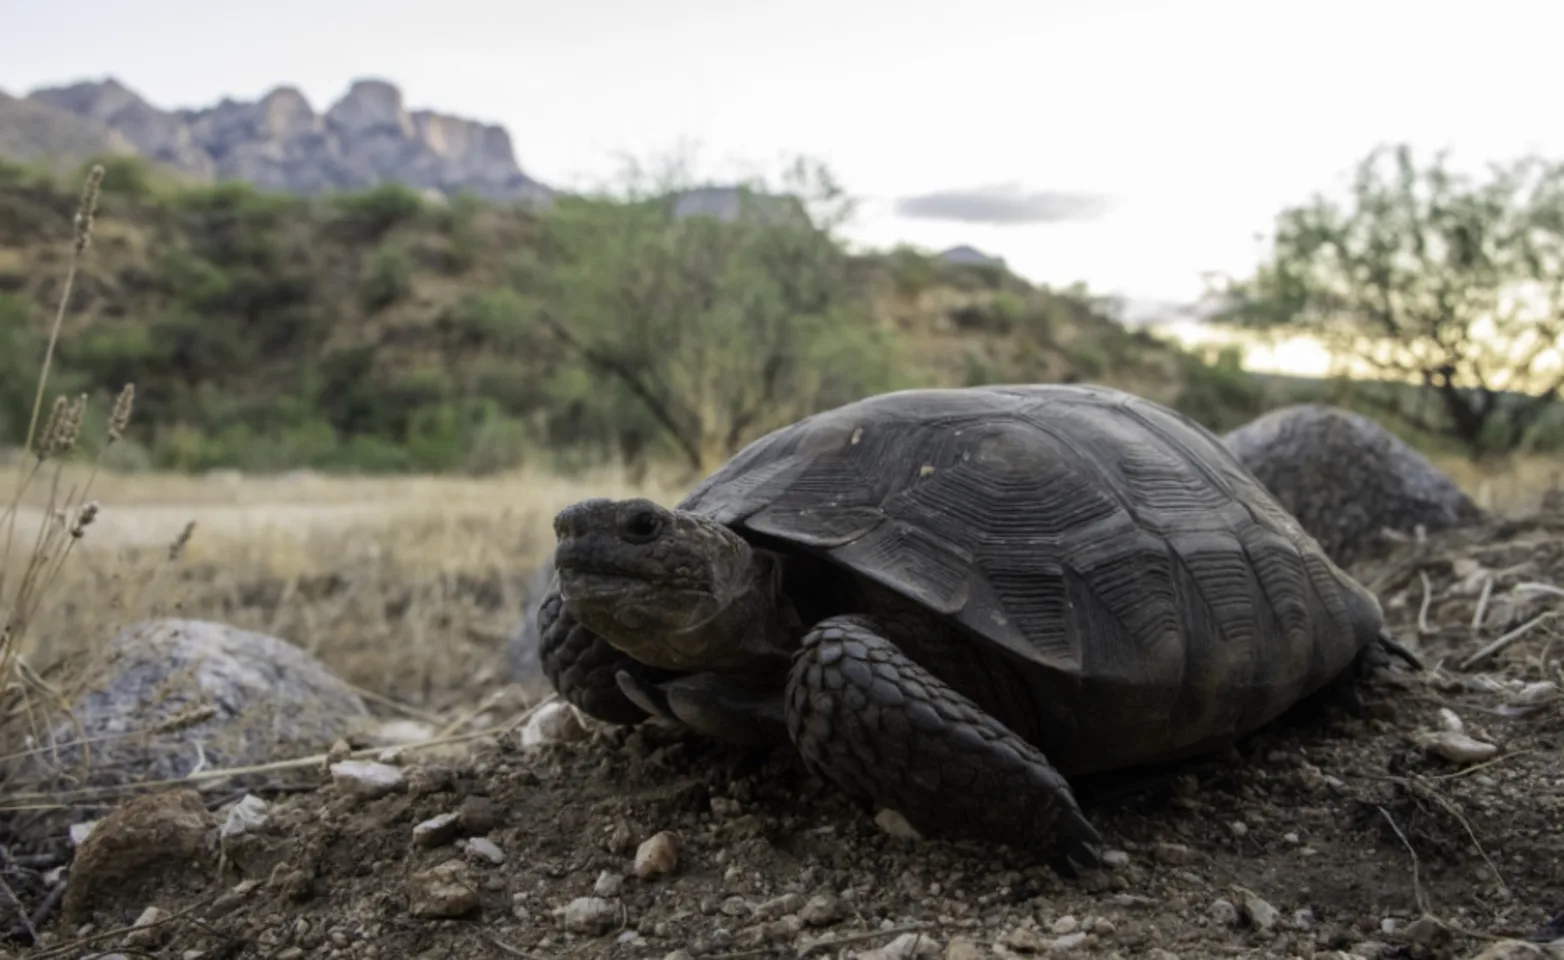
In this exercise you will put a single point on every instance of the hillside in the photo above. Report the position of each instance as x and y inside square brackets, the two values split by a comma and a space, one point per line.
[382, 331]
[278, 143]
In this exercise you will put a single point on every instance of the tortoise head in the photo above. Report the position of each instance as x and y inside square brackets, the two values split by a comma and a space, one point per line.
[670, 588]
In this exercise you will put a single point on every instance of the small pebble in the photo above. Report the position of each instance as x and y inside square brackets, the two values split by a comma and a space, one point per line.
[554, 722]
[1456, 747]
[486, 850]
[436, 831]
[659, 854]
[366, 778]
[608, 884]
[893, 823]
[445, 890]
[593, 915]
[1224, 913]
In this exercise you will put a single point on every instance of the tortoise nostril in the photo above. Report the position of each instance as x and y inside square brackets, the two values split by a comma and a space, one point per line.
[642, 526]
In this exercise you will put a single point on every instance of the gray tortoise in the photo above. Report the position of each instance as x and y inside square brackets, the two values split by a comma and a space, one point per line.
[948, 600]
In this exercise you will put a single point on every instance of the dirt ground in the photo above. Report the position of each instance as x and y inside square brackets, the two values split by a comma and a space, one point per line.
[1331, 834]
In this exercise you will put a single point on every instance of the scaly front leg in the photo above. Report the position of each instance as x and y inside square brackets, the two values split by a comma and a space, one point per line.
[869, 718]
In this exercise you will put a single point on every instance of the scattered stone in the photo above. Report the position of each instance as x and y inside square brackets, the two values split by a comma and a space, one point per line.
[427, 778]
[1258, 912]
[1115, 859]
[1065, 924]
[81, 831]
[594, 915]
[482, 848]
[436, 831]
[1175, 853]
[960, 948]
[780, 906]
[151, 836]
[1427, 933]
[553, 722]
[401, 732]
[446, 890]
[822, 910]
[608, 884]
[893, 823]
[1224, 913]
[145, 932]
[1067, 942]
[246, 816]
[1024, 939]
[476, 816]
[1455, 747]
[658, 855]
[1512, 950]
[366, 779]
[907, 946]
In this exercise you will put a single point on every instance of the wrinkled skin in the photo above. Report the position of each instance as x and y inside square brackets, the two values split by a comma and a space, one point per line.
[658, 612]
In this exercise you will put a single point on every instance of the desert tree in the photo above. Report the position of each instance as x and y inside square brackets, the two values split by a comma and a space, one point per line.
[716, 311]
[1426, 276]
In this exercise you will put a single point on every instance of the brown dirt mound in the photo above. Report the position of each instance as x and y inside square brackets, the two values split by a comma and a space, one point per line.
[1328, 832]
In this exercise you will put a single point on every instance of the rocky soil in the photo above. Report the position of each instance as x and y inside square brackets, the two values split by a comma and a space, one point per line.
[1426, 825]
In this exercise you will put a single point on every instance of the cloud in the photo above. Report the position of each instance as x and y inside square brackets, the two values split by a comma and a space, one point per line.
[1005, 204]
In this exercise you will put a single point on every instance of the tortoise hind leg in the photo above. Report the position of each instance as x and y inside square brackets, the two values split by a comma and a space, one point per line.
[866, 716]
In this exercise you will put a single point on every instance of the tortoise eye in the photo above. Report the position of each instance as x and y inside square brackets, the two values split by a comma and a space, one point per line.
[642, 526]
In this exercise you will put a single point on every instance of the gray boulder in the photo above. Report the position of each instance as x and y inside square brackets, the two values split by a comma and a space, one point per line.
[171, 697]
[1346, 478]
[521, 653]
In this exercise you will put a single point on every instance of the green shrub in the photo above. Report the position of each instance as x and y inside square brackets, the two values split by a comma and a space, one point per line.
[389, 278]
[375, 212]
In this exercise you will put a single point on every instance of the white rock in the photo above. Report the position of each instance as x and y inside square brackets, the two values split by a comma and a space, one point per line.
[1065, 924]
[366, 778]
[1260, 913]
[1115, 858]
[908, 946]
[554, 722]
[145, 932]
[485, 849]
[1067, 942]
[659, 854]
[247, 815]
[401, 732]
[1456, 747]
[608, 884]
[1534, 693]
[1450, 720]
[80, 831]
[893, 823]
[435, 831]
[593, 915]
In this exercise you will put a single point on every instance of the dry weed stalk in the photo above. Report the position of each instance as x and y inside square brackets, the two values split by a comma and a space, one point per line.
[68, 512]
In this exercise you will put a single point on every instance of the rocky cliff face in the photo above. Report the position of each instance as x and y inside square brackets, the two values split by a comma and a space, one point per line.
[278, 142]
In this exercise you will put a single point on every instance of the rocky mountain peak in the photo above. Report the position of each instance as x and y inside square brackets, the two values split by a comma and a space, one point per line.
[279, 142]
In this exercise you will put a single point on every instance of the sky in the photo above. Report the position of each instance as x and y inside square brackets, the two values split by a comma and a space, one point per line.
[1129, 144]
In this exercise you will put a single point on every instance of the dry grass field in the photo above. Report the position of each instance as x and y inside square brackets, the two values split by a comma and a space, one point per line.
[407, 585]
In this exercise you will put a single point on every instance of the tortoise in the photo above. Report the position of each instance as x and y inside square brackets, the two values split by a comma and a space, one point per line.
[949, 599]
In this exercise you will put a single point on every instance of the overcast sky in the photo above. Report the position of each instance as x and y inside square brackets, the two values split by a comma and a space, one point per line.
[1127, 143]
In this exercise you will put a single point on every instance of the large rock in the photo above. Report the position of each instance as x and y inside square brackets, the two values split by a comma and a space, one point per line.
[171, 697]
[280, 143]
[521, 653]
[1346, 478]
